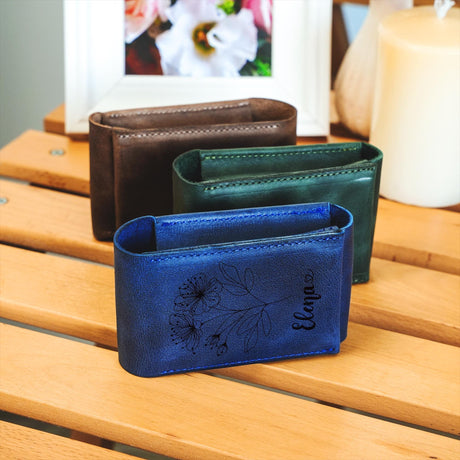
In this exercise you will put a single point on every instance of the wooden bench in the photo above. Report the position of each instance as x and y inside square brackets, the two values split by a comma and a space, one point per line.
[392, 392]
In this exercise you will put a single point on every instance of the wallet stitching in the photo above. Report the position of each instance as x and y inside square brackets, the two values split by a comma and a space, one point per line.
[184, 110]
[248, 216]
[269, 155]
[255, 360]
[247, 248]
[286, 179]
[199, 131]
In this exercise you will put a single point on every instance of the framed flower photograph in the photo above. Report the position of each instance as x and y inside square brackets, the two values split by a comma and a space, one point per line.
[198, 38]
[122, 54]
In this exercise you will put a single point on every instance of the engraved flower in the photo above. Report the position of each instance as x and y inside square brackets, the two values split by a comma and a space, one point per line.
[204, 41]
[213, 342]
[198, 294]
[186, 330]
[222, 348]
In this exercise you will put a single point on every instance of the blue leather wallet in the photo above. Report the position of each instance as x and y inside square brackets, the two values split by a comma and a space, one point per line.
[223, 288]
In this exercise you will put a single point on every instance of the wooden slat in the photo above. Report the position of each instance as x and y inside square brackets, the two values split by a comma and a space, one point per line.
[70, 296]
[29, 158]
[418, 236]
[50, 221]
[378, 369]
[391, 300]
[188, 416]
[410, 300]
[22, 443]
[54, 122]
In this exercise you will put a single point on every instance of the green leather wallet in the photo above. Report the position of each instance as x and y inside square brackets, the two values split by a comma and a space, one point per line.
[347, 174]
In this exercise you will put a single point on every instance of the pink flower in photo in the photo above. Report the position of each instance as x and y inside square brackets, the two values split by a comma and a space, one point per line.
[140, 15]
[262, 11]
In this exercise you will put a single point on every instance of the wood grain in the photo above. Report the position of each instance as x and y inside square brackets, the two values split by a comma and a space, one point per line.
[377, 371]
[22, 443]
[413, 235]
[31, 157]
[410, 300]
[81, 387]
[71, 297]
[54, 122]
[49, 221]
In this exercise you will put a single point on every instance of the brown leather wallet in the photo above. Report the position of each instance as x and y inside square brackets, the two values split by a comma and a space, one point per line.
[131, 151]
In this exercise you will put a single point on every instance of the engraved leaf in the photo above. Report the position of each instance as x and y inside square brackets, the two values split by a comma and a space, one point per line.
[230, 273]
[250, 322]
[235, 289]
[249, 279]
[250, 341]
[228, 322]
[266, 323]
[232, 283]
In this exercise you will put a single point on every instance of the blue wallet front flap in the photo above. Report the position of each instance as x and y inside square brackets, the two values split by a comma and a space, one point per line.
[223, 288]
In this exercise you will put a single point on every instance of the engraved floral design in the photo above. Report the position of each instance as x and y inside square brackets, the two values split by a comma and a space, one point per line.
[186, 330]
[226, 324]
[198, 294]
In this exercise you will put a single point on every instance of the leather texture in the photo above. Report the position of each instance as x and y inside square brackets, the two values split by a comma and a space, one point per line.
[347, 174]
[131, 151]
[204, 290]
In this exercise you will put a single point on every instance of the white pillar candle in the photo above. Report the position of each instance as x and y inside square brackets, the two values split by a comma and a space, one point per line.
[416, 115]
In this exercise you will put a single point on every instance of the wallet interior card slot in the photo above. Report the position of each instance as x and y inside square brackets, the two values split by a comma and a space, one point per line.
[228, 164]
[200, 229]
[193, 292]
[240, 225]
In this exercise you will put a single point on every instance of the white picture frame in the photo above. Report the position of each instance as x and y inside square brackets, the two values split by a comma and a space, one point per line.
[95, 79]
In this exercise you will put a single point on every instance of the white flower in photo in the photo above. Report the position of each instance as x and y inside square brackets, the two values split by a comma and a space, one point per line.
[204, 41]
[141, 14]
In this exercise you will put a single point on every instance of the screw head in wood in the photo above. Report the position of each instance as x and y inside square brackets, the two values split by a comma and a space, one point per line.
[57, 152]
